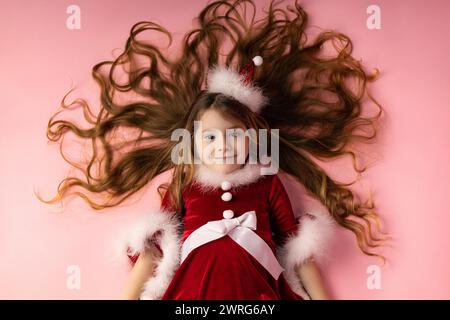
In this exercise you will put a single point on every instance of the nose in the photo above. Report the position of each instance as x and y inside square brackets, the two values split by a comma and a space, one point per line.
[223, 151]
[223, 148]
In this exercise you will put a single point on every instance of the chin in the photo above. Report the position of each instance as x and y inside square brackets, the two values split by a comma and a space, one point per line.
[225, 168]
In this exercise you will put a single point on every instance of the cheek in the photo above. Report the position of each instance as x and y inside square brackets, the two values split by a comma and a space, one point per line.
[242, 144]
[201, 147]
[208, 149]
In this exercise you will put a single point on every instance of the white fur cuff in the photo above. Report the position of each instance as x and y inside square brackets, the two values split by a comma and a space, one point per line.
[137, 238]
[312, 240]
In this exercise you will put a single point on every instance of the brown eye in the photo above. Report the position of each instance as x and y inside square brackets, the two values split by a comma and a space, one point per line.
[209, 137]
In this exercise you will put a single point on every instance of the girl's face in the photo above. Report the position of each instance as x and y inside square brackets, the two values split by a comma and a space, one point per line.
[220, 149]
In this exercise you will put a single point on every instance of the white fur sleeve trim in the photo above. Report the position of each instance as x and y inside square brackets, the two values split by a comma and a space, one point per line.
[312, 240]
[137, 238]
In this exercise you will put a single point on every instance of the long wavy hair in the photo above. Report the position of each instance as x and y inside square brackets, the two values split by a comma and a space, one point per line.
[318, 113]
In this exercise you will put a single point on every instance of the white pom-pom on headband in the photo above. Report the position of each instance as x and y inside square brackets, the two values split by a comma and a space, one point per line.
[225, 80]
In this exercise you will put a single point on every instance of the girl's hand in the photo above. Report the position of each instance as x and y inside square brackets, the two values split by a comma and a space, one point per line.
[311, 279]
[141, 272]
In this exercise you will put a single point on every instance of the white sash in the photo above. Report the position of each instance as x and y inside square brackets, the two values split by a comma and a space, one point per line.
[240, 230]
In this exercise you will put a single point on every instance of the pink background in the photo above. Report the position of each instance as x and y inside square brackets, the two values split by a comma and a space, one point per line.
[41, 59]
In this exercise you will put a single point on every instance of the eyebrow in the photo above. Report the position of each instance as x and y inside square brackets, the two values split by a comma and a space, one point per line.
[232, 127]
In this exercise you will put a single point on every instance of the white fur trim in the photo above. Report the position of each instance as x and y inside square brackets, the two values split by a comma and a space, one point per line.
[210, 179]
[312, 240]
[137, 238]
[225, 80]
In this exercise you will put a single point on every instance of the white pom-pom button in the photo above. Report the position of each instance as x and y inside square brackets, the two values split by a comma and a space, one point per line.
[258, 60]
[226, 185]
[226, 196]
[228, 214]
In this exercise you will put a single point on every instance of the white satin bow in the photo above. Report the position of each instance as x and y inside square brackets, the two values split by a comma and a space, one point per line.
[240, 229]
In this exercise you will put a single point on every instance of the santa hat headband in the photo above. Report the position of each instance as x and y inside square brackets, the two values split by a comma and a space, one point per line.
[238, 85]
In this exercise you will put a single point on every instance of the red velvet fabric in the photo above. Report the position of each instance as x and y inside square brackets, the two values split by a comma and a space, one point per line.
[222, 269]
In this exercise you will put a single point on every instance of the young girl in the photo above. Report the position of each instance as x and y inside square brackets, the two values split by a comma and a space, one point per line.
[228, 215]
[226, 230]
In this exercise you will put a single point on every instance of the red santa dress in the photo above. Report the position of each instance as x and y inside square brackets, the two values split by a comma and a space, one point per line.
[236, 237]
